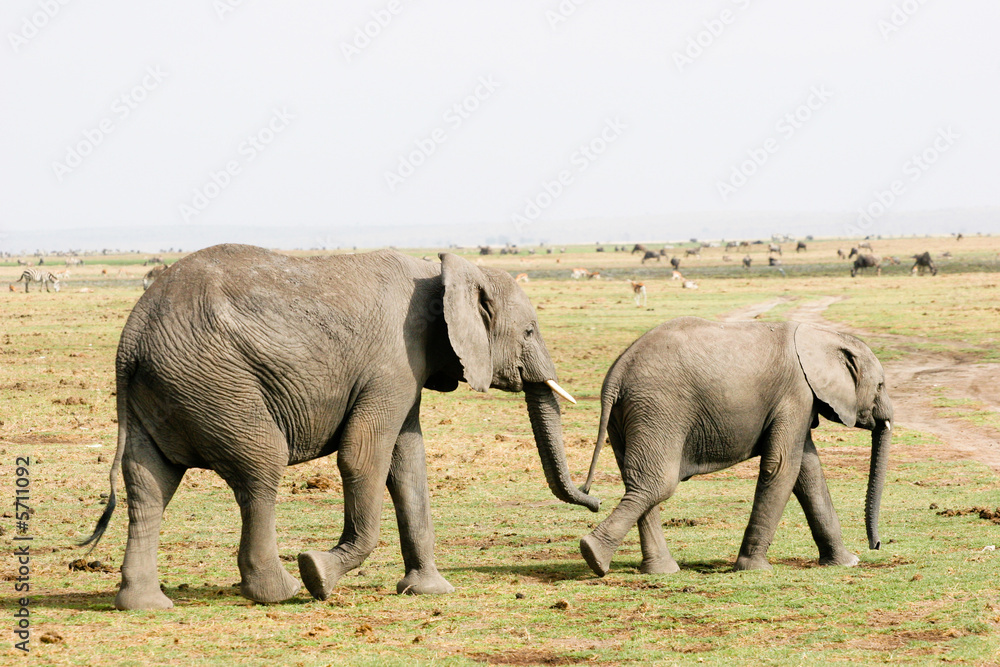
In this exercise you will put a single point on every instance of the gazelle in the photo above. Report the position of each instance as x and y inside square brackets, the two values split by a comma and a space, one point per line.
[521, 278]
[638, 292]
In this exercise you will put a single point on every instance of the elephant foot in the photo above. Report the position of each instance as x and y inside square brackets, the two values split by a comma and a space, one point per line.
[752, 563]
[273, 587]
[598, 556]
[659, 566]
[132, 598]
[424, 583]
[320, 572]
[845, 558]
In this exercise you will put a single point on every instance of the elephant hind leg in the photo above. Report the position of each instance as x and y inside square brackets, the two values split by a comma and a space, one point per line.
[650, 474]
[255, 484]
[150, 481]
[656, 558]
[600, 545]
[364, 458]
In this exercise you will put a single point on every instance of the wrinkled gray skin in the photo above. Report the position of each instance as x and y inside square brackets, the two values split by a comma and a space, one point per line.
[691, 397]
[245, 361]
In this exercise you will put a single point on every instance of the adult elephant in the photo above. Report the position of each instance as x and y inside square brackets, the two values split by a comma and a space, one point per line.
[691, 397]
[244, 361]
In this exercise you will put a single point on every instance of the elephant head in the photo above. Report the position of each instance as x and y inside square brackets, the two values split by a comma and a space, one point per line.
[493, 331]
[849, 383]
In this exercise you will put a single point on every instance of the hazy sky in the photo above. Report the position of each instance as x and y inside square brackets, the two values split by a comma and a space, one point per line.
[247, 112]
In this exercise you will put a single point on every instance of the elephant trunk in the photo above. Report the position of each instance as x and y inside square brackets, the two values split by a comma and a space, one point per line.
[881, 435]
[543, 410]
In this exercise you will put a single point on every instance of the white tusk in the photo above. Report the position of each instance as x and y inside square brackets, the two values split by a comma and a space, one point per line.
[559, 390]
[888, 426]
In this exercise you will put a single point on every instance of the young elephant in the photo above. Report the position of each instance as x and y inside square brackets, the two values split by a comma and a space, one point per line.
[692, 397]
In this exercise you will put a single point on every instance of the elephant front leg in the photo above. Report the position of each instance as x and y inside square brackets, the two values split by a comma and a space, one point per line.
[363, 460]
[779, 469]
[814, 496]
[408, 487]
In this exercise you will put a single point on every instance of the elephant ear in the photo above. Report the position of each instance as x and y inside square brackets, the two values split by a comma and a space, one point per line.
[841, 370]
[468, 311]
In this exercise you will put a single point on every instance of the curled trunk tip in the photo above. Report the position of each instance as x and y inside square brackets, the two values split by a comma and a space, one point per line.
[543, 410]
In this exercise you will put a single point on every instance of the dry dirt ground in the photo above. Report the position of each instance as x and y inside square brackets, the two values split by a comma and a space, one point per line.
[916, 379]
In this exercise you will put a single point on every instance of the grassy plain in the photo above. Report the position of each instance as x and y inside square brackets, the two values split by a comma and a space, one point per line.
[524, 595]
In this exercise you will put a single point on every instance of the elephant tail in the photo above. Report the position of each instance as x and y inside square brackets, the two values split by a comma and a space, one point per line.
[123, 376]
[609, 395]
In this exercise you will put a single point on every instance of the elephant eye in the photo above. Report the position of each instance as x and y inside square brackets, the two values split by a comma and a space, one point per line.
[529, 332]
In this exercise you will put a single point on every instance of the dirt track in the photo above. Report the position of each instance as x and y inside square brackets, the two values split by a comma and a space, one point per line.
[915, 379]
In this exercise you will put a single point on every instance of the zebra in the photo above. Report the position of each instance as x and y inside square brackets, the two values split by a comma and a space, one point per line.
[35, 276]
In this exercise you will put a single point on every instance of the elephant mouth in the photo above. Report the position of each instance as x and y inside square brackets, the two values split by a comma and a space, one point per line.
[551, 383]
